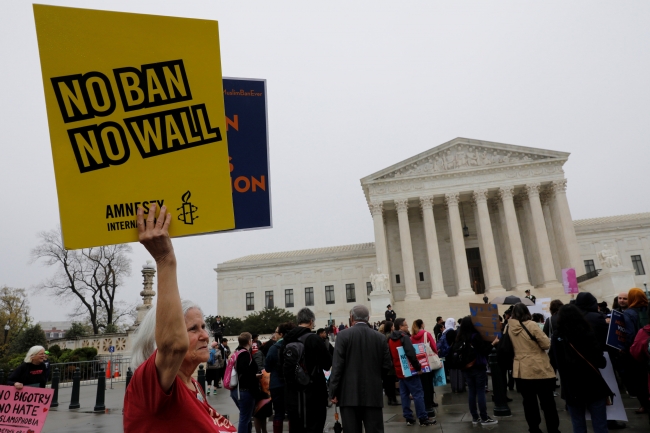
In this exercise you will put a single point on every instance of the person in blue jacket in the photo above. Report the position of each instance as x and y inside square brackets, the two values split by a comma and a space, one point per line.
[276, 386]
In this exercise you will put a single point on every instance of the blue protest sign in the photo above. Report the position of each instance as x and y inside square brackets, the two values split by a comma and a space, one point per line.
[485, 318]
[247, 131]
[616, 333]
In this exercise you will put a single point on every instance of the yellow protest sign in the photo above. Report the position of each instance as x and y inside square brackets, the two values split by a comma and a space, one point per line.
[136, 116]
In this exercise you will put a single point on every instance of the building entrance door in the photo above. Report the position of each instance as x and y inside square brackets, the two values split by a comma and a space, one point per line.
[475, 270]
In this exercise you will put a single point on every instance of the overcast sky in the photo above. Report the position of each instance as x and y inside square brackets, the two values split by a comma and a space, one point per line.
[354, 87]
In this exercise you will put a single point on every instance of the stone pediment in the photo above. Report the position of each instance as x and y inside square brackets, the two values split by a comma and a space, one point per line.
[462, 154]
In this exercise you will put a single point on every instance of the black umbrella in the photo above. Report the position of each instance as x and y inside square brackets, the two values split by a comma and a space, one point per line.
[338, 428]
[511, 300]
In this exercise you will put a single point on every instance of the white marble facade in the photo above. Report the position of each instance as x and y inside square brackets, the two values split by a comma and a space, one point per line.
[512, 201]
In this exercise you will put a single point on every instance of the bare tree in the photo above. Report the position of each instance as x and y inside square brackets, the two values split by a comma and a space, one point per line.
[90, 276]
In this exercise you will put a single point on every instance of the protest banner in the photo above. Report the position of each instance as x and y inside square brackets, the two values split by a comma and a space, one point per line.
[616, 334]
[615, 411]
[542, 307]
[247, 130]
[24, 411]
[485, 318]
[570, 281]
[439, 376]
[136, 116]
[420, 354]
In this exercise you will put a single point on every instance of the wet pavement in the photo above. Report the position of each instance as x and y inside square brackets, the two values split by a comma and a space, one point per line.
[453, 415]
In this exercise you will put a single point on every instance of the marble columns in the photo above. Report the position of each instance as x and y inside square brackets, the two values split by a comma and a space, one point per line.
[489, 254]
[458, 245]
[380, 237]
[433, 253]
[407, 250]
[541, 236]
[514, 239]
[567, 229]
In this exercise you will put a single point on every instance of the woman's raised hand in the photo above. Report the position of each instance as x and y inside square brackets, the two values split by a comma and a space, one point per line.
[154, 234]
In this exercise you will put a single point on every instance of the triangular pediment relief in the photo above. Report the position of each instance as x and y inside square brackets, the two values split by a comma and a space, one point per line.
[462, 154]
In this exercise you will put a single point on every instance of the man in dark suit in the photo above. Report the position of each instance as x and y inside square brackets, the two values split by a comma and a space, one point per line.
[361, 359]
[390, 314]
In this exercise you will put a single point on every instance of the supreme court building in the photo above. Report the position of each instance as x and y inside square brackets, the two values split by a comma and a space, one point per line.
[461, 220]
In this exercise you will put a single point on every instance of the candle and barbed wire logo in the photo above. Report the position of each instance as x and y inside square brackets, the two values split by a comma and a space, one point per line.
[188, 214]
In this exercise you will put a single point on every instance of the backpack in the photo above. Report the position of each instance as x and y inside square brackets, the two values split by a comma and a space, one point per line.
[213, 357]
[461, 356]
[443, 346]
[505, 352]
[296, 376]
[230, 377]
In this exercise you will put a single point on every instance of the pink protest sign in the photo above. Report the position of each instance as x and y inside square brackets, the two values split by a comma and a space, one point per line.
[570, 281]
[24, 411]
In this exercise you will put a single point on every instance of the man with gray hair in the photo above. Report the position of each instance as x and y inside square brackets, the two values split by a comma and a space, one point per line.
[361, 359]
[307, 407]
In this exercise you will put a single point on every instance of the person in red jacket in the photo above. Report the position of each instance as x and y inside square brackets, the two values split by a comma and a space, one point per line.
[420, 335]
[408, 385]
[639, 349]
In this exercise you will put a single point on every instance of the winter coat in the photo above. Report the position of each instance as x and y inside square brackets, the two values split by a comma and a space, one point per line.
[419, 338]
[588, 304]
[550, 325]
[631, 324]
[581, 383]
[361, 359]
[531, 360]
[639, 349]
[272, 365]
[401, 339]
[317, 360]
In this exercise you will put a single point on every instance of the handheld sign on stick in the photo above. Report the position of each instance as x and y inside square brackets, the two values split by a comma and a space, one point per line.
[25, 410]
[136, 116]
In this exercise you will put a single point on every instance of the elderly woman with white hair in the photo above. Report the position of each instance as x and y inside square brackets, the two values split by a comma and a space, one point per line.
[170, 344]
[32, 371]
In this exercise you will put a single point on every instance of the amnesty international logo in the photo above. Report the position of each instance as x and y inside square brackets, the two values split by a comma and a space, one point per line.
[188, 210]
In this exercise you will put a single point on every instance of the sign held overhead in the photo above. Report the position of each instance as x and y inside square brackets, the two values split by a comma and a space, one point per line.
[136, 116]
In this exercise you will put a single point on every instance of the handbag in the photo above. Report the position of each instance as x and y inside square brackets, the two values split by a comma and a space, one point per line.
[434, 361]
[505, 351]
[610, 397]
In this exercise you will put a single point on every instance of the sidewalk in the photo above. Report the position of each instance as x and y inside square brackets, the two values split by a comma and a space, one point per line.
[453, 415]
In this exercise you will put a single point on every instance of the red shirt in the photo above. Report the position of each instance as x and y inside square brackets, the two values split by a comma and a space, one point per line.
[148, 408]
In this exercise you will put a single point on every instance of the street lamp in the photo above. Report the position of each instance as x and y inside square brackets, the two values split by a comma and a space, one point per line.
[6, 332]
[330, 317]
[646, 289]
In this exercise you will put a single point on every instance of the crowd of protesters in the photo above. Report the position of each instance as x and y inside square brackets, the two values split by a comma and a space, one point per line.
[286, 377]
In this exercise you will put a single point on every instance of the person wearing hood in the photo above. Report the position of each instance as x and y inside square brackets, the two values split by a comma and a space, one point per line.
[588, 305]
[639, 349]
[309, 417]
[449, 335]
[446, 342]
[636, 317]
[577, 355]
[532, 370]
[408, 386]
[420, 335]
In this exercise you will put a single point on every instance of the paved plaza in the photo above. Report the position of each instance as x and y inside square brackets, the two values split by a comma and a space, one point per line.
[453, 415]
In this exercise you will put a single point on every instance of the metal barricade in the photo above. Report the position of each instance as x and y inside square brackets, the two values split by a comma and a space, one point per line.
[115, 370]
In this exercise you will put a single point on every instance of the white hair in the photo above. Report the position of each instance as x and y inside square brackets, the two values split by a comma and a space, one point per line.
[32, 352]
[144, 340]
